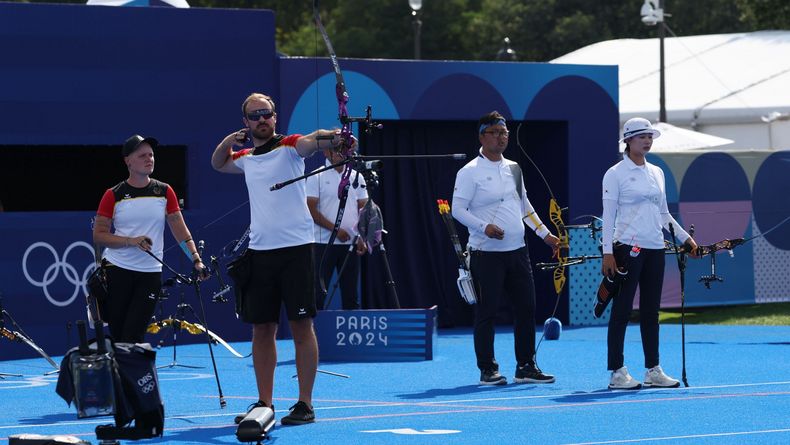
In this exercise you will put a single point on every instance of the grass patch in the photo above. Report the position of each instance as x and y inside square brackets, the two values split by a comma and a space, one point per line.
[767, 314]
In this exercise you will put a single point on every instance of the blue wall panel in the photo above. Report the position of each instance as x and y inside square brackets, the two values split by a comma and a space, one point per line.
[76, 74]
[73, 75]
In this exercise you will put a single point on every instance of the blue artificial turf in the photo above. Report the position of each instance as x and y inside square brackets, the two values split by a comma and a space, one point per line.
[739, 393]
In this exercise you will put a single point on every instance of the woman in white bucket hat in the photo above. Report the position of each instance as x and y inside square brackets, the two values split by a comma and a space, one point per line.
[634, 213]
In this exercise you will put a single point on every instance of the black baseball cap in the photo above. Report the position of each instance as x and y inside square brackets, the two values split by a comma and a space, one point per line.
[133, 143]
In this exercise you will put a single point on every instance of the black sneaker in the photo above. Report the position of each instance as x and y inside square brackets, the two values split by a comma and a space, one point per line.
[299, 415]
[492, 377]
[257, 404]
[530, 373]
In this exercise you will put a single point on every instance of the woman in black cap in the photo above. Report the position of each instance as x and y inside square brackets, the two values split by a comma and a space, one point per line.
[130, 221]
[634, 213]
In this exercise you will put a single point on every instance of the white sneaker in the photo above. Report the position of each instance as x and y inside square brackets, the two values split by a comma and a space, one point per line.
[656, 378]
[621, 379]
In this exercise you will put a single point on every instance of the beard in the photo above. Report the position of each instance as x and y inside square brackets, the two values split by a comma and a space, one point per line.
[262, 131]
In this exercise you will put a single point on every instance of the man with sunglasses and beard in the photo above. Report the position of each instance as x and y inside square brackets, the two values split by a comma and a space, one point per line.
[280, 247]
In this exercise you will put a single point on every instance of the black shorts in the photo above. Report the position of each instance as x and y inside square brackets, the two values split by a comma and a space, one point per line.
[280, 275]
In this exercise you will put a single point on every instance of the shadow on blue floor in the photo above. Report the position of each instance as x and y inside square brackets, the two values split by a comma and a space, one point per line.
[739, 376]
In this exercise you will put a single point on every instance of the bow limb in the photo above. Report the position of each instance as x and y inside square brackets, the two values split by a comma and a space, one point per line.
[555, 215]
[20, 337]
[559, 279]
[341, 94]
[729, 244]
[346, 150]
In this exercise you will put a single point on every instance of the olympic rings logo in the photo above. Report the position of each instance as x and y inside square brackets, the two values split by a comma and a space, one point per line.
[53, 271]
[148, 388]
[146, 383]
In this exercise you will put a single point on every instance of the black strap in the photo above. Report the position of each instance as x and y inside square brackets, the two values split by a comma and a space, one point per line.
[515, 170]
[97, 256]
[270, 145]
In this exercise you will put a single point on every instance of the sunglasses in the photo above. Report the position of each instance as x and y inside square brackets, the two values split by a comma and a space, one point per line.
[257, 114]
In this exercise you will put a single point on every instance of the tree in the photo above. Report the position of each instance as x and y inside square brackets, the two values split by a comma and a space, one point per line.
[765, 14]
[540, 30]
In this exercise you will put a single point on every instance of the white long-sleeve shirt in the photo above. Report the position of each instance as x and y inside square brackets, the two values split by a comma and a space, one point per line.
[485, 193]
[635, 206]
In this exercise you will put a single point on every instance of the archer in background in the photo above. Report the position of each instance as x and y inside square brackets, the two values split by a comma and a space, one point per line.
[491, 201]
[137, 209]
[634, 213]
[280, 253]
[323, 202]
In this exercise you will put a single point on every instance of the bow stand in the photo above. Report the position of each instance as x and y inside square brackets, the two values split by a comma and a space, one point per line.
[680, 254]
[20, 336]
[194, 281]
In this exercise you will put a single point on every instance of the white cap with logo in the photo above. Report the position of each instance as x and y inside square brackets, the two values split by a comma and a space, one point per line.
[636, 126]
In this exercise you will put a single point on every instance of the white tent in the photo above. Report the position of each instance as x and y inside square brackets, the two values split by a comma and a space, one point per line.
[679, 139]
[735, 86]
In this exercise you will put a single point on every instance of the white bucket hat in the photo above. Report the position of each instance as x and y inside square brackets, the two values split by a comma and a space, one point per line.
[636, 126]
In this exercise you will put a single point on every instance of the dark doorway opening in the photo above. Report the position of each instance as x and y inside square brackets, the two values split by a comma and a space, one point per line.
[418, 246]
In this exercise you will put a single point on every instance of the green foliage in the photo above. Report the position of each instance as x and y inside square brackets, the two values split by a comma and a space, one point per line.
[540, 30]
[765, 14]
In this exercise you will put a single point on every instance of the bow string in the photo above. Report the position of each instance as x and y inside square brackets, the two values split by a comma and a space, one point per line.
[555, 216]
[346, 149]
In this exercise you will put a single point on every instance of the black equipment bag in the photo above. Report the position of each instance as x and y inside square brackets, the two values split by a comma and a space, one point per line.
[89, 381]
[240, 271]
[89, 376]
[140, 388]
[117, 379]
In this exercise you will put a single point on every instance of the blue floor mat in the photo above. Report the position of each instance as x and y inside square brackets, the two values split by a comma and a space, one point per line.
[739, 392]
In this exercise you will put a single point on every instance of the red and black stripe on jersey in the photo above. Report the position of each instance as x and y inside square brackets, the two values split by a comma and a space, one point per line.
[122, 190]
[270, 145]
[276, 141]
[278, 218]
[138, 211]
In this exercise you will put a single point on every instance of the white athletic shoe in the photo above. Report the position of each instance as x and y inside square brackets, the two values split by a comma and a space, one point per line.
[621, 379]
[656, 378]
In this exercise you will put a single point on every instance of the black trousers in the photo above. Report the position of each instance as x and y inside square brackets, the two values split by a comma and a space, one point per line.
[646, 271]
[333, 261]
[130, 303]
[498, 274]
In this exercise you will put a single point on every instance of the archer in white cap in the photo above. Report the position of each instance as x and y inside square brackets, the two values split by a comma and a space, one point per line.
[635, 212]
